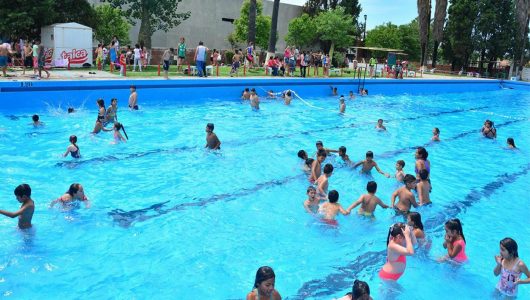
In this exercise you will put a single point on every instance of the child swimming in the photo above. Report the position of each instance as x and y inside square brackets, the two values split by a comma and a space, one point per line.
[405, 197]
[322, 182]
[36, 121]
[316, 167]
[212, 141]
[73, 149]
[368, 164]
[379, 126]
[117, 135]
[25, 213]
[435, 134]
[511, 143]
[264, 285]
[488, 130]
[352, 95]
[510, 267]
[75, 193]
[246, 94]
[112, 112]
[320, 145]
[399, 243]
[101, 116]
[311, 203]
[414, 220]
[331, 208]
[287, 97]
[342, 105]
[400, 175]
[342, 154]
[254, 100]
[368, 201]
[271, 94]
[333, 90]
[302, 154]
[133, 98]
[423, 187]
[454, 241]
[360, 291]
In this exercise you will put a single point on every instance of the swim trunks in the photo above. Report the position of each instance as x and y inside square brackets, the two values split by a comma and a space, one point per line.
[3, 61]
[134, 107]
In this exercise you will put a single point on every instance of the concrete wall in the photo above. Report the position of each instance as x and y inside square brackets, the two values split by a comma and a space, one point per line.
[206, 24]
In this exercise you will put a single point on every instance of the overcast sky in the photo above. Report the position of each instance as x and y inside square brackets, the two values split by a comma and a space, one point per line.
[381, 11]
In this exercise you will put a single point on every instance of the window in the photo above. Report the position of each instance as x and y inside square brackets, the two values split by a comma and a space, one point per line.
[228, 20]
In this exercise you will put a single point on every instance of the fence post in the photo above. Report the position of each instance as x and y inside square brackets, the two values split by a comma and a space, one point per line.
[217, 71]
[158, 69]
[244, 69]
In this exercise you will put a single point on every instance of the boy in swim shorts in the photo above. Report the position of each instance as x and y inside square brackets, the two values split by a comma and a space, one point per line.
[368, 201]
[323, 182]
[316, 166]
[405, 197]
[330, 209]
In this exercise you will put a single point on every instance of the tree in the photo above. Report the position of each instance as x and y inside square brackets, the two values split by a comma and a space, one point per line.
[252, 22]
[263, 25]
[438, 26]
[111, 23]
[522, 8]
[388, 35]
[458, 44]
[334, 26]
[410, 40]
[424, 19]
[153, 15]
[79, 11]
[271, 49]
[302, 31]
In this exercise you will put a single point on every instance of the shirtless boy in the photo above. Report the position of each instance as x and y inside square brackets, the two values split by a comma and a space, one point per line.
[133, 98]
[311, 203]
[316, 167]
[424, 187]
[400, 175]
[320, 145]
[405, 197]
[212, 142]
[368, 164]
[343, 155]
[246, 94]
[25, 213]
[254, 100]
[323, 182]
[330, 209]
[368, 201]
[342, 105]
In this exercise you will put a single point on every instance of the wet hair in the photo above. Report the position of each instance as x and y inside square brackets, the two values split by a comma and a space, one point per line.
[70, 110]
[310, 188]
[322, 152]
[511, 246]
[133, 87]
[437, 130]
[309, 162]
[409, 178]
[333, 196]
[423, 153]
[210, 126]
[415, 217]
[73, 140]
[113, 100]
[395, 230]
[328, 169]
[23, 190]
[342, 149]
[360, 290]
[35, 118]
[380, 120]
[288, 93]
[253, 90]
[101, 102]
[119, 126]
[263, 274]
[319, 143]
[302, 154]
[511, 142]
[371, 187]
[351, 92]
[246, 90]
[370, 154]
[401, 163]
[454, 224]
[74, 188]
[423, 174]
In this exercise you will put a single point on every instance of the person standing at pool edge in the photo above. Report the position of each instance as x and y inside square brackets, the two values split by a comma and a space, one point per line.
[181, 54]
[165, 61]
[212, 142]
[25, 213]
[264, 285]
[200, 59]
[133, 98]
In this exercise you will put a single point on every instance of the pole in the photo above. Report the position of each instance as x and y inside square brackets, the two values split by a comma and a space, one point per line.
[158, 69]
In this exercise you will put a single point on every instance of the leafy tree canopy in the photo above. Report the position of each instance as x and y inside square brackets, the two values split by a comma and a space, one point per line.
[263, 25]
[302, 31]
[335, 26]
[111, 23]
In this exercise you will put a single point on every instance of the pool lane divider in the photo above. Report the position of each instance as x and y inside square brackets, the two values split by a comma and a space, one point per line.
[78, 162]
[371, 261]
[126, 218]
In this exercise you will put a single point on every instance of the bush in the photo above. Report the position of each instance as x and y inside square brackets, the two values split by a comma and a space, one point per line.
[338, 59]
[228, 57]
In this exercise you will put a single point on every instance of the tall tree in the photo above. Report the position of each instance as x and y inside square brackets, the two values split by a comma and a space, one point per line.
[271, 49]
[424, 18]
[263, 25]
[79, 11]
[302, 31]
[334, 26]
[111, 23]
[522, 8]
[458, 44]
[153, 15]
[438, 27]
[252, 22]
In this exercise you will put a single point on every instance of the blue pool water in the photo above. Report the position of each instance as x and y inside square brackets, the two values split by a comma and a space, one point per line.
[172, 221]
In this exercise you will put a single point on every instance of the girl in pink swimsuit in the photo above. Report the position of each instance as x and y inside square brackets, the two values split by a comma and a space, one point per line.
[455, 242]
[510, 267]
[399, 245]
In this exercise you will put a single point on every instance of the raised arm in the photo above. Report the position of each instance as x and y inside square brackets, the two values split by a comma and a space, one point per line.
[453, 250]
[408, 249]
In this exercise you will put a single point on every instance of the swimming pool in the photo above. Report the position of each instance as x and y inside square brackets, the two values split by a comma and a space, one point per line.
[171, 221]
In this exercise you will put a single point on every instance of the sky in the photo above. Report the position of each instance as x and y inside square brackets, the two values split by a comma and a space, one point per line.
[381, 11]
